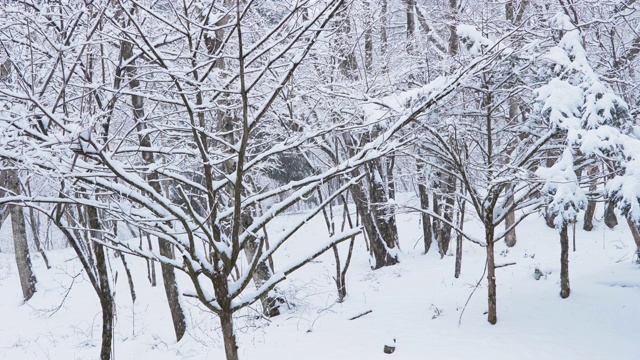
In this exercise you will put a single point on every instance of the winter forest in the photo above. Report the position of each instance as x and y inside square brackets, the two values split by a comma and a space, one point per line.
[319, 179]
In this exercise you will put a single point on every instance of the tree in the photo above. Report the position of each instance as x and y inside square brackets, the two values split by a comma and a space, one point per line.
[10, 179]
[20, 244]
[565, 199]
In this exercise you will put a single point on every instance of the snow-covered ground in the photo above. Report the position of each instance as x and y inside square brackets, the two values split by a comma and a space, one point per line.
[418, 303]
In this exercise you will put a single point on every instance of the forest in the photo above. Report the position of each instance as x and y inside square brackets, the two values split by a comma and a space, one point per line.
[345, 179]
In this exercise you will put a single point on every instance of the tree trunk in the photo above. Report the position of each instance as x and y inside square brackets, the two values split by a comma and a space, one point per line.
[105, 294]
[574, 236]
[379, 228]
[492, 316]
[549, 220]
[564, 262]
[106, 305]
[459, 239]
[260, 276]
[132, 288]
[424, 205]
[514, 111]
[591, 205]
[341, 285]
[171, 290]
[383, 26]
[35, 227]
[21, 247]
[509, 221]
[446, 210]
[610, 218]
[151, 265]
[228, 335]
[368, 40]
[635, 232]
[411, 24]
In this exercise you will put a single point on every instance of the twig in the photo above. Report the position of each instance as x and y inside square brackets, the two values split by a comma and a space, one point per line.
[505, 265]
[361, 315]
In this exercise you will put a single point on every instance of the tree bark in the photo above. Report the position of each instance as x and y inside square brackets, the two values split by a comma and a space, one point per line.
[383, 26]
[459, 239]
[171, 290]
[21, 247]
[341, 284]
[132, 288]
[380, 228]
[492, 315]
[550, 220]
[635, 232]
[411, 24]
[35, 227]
[509, 220]
[564, 262]
[427, 233]
[591, 205]
[105, 294]
[610, 218]
[446, 210]
[228, 335]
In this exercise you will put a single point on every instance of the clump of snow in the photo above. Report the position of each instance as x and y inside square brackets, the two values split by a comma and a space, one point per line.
[565, 197]
[473, 40]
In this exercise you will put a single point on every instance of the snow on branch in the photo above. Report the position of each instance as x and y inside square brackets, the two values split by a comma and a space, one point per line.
[562, 190]
[473, 40]
[596, 121]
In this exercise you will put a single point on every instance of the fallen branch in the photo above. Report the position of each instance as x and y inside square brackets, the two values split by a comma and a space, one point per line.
[504, 265]
[361, 315]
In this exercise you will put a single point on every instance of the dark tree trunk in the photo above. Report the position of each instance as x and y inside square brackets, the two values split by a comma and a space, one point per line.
[411, 24]
[591, 205]
[610, 218]
[35, 227]
[380, 228]
[228, 335]
[383, 26]
[574, 236]
[459, 239]
[390, 182]
[588, 216]
[104, 293]
[446, 210]
[564, 262]
[549, 220]
[151, 266]
[171, 290]
[341, 284]
[492, 316]
[106, 305]
[635, 232]
[132, 288]
[424, 205]
[21, 247]
[341, 272]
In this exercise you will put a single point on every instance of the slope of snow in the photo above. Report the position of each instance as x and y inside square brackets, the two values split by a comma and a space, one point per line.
[418, 303]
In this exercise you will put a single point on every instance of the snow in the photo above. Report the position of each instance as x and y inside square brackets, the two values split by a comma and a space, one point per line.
[566, 198]
[418, 303]
[473, 39]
